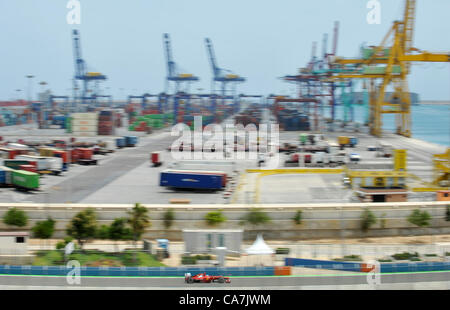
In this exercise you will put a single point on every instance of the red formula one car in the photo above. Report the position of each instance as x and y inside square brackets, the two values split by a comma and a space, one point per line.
[204, 278]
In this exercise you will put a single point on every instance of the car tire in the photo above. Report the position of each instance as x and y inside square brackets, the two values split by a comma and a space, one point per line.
[221, 280]
[190, 280]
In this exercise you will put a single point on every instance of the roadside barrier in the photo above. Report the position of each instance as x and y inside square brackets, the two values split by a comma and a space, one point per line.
[136, 271]
[363, 267]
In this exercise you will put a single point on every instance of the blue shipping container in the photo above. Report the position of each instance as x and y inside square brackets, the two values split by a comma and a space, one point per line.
[120, 142]
[5, 175]
[131, 140]
[190, 180]
[2, 176]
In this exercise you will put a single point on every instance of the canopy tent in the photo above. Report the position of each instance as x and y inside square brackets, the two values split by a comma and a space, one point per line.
[259, 247]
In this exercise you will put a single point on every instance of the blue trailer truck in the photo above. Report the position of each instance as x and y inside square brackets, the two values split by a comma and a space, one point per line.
[131, 141]
[191, 179]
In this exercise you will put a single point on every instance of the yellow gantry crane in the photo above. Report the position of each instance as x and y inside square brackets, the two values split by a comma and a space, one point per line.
[389, 62]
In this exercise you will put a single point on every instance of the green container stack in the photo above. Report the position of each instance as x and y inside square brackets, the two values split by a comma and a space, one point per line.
[156, 121]
[25, 179]
[68, 124]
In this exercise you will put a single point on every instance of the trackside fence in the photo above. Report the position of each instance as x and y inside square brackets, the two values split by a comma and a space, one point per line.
[362, 267]
[137, 271]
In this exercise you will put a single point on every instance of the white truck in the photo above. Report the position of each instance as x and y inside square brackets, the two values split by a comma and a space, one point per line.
[53, 165]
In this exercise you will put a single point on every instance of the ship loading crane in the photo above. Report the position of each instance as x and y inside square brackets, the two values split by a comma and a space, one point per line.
[312, 80]
[390, 64]
[220, 75]
[81, 72]
[173, 74]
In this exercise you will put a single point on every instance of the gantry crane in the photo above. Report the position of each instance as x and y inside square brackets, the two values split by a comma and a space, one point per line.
[173, 73]
[219, 74]
[81, 72]
[389, 63]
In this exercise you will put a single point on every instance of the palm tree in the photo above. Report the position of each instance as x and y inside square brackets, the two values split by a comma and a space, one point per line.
[138, 221]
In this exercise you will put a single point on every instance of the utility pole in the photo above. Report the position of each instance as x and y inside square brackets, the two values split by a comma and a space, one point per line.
[30, 80]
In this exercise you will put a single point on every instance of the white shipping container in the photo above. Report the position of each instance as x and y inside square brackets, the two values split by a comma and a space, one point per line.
[84, 128]
[92, 115]
[84, 133]
[84, 122]
[44, 163]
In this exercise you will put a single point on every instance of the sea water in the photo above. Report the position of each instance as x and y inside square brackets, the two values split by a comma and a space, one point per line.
[429, 122]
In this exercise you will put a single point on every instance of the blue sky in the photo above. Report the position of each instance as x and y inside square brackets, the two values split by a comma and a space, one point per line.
[258, 39]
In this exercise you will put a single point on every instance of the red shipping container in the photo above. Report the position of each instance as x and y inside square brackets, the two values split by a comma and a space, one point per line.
[63, 155]
[29, 168]
[155, 157]
[85, 153]
[308, 158]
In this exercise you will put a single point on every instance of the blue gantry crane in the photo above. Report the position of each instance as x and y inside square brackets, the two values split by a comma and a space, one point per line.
[173, 74]
[220, 75]
[81, 72]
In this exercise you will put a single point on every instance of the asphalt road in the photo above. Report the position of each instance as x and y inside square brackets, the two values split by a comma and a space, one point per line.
[80, 186]
[42, 282]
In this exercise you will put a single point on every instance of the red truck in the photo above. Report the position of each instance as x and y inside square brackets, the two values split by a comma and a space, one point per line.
[204, 278]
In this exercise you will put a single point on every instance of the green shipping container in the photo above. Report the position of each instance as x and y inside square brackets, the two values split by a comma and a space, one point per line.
[25, 179]
[14, 163]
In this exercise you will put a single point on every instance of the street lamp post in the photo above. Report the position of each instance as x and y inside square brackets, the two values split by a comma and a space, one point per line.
[18, 93]
[30, 81]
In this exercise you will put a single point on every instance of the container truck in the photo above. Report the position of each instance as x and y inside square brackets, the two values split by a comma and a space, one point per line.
[156, 159]
[131, 141]
[212, 180]
[121, 142]
[83, 156]
[45, 165]
[16, 163]
[25, 180]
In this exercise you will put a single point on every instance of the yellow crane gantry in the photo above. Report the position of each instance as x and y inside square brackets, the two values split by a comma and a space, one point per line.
[390, 63]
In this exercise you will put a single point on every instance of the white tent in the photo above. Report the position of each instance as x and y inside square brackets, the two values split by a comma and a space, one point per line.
[259, 247]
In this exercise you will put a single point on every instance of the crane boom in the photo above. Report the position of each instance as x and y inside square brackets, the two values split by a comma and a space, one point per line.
[80, 69]
[168, 50]
[212, 58]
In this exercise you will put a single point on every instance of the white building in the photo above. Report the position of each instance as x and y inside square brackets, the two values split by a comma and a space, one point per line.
[206, 240]
[13, 243]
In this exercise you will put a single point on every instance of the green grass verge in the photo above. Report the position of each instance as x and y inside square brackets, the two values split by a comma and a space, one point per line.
[97, 259]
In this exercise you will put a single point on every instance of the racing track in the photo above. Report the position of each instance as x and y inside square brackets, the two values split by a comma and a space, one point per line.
[43, 282]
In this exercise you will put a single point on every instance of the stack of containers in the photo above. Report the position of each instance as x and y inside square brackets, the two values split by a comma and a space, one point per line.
[144, 122]
[106, 123]
[85, 124]
[59, 120]
[118, 120]
[292, 120]
[68, 124]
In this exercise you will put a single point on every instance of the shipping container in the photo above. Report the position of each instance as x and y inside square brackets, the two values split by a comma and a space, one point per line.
[84, 122]
[120, 142]
[343, 140]
[156, 158]
[131, 141]
[191, 179]
[45, 164]
[5, 175]
[16, 163]
[84, 116]
[25, 179]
